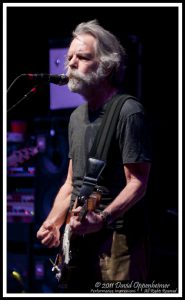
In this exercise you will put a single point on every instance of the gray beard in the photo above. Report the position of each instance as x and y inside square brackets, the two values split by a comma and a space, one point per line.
[84, 84]
[76, 85]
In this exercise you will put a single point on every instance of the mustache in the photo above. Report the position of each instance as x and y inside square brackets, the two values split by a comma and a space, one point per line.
[76, 75]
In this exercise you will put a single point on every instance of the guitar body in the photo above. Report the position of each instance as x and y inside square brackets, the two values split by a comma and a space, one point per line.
[68, 248]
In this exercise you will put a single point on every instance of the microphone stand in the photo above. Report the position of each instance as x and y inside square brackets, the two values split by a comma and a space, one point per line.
[25, 97]
[14, 81]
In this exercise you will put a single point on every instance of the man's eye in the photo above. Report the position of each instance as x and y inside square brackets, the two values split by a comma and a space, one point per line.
[83, 57]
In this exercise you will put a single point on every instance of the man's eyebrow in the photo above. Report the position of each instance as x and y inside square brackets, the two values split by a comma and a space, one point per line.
[84, 53]
[87, 54]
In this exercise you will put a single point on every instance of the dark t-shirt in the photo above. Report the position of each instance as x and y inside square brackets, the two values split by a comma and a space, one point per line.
[129, 145]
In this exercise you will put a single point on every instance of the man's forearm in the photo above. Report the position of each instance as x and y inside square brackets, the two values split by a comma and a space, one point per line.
[137, 180]
[127, 198]
[60, 207]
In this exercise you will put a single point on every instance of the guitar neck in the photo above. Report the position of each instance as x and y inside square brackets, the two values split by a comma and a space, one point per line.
[90, 204]
[83, 211]
[20, 156]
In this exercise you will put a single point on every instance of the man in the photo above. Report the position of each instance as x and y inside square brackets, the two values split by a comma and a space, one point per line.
[109, 245]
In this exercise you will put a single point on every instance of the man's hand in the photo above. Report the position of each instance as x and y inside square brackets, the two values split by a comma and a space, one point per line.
[49, 235]
[91, 223]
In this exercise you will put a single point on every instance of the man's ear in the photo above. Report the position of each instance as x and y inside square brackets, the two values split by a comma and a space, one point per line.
[108, 71]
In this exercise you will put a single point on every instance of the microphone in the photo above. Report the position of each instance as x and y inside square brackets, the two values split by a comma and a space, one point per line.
[59, 79]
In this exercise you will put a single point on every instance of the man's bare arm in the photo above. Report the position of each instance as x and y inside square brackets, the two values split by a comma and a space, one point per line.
[49, 233]
[137, 175]
[136, 184]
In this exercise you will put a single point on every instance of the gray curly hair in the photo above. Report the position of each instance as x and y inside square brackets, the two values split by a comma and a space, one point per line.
[110, 52]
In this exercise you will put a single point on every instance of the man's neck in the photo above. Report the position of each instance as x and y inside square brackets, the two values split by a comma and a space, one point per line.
[98, 97]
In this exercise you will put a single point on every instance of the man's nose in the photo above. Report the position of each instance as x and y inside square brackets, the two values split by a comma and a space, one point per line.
[73, 63]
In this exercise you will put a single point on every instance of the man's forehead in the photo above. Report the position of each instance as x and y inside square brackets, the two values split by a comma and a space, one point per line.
[82, 42]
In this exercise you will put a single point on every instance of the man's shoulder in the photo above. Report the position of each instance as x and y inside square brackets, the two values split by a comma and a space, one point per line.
[78, 111]
[131, 106]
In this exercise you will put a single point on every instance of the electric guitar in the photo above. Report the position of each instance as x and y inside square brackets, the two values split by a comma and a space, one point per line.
[66, 250]
[20, 156]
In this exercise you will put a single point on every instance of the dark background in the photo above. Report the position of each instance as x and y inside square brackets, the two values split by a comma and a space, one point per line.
[150, 35]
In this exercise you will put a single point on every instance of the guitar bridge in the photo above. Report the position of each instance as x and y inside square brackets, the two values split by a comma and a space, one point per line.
[57, 266]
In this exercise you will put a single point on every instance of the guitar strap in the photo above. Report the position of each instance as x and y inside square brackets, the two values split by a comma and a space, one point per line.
[98, 155]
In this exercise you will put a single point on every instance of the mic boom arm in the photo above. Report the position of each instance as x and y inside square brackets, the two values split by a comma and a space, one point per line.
[59, 79]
